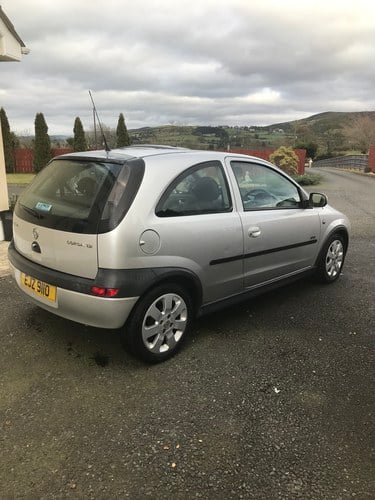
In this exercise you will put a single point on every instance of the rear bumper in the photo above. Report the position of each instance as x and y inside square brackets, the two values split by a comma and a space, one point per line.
[75, 305]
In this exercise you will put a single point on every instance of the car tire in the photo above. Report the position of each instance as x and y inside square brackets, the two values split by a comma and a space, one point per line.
[159, 323]
[331, 260]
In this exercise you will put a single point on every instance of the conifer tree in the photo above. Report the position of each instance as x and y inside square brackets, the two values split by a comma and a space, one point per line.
[7, 141]
[42, 145]
[79, 143]
[122, 136]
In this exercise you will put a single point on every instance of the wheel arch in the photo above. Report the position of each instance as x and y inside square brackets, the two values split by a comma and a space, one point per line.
[152, 332]
[186, 279]
[340, 230]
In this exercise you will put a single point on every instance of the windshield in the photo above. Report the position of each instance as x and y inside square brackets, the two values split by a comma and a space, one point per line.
[82, 196]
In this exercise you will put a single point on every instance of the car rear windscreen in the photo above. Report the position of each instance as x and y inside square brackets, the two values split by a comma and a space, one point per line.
[79, 196]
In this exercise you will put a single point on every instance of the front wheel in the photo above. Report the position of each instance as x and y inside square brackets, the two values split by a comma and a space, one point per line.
[159, 323]
[331, 260]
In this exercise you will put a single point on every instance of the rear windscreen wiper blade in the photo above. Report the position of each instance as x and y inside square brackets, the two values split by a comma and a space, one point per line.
[33, 212]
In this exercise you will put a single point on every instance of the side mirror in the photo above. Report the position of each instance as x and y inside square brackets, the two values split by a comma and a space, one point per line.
[318, 200]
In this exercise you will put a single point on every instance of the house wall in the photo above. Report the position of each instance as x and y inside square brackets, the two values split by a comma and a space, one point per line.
[10, 48]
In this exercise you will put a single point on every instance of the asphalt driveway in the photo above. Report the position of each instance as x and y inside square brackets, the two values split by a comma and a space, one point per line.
[271, 399]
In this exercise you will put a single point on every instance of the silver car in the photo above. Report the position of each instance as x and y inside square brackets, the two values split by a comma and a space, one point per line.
[145, 238]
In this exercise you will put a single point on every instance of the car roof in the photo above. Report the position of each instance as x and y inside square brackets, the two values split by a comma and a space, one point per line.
[147, 150]
[137, 151]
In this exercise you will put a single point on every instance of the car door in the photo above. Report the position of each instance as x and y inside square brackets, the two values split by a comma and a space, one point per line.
[280, 237]
[199, 229]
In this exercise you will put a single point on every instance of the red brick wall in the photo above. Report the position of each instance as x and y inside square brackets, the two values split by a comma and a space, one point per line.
[266, 153]
[371, 158]
[24, 158]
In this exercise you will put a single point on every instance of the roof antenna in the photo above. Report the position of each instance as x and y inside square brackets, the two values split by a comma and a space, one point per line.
[106, 147]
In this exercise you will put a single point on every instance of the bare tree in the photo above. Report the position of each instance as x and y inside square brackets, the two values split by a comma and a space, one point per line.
[110, 135]
[361, 133]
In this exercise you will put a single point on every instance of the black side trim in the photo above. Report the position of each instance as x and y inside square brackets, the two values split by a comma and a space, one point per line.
[131, 282]
[135, 282]
[250, 294]
[263, 252]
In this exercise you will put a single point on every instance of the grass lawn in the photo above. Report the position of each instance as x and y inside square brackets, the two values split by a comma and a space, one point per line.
[19, 178]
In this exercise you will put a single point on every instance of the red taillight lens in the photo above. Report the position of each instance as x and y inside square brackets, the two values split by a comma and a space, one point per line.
[104, 292]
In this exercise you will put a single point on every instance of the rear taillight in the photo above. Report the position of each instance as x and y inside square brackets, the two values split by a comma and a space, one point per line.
[104, 292]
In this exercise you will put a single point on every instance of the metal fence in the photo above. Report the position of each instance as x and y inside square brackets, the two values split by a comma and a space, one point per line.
[358, 162]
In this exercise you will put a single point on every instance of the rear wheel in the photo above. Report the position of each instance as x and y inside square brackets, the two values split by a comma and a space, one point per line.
[332, 258]
[159, 324]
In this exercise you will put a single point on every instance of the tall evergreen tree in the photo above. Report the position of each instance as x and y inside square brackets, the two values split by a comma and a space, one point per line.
[79, 143]
[42, 146]
[8, 139]
[122, 136]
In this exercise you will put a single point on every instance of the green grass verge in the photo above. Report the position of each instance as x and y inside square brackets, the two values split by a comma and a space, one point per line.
[19, 178]
[308, 179]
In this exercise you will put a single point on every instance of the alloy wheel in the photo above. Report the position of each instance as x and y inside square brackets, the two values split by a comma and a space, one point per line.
[334, 258]
[164, 323]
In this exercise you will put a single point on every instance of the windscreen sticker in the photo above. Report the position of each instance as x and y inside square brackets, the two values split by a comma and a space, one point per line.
[43, 207]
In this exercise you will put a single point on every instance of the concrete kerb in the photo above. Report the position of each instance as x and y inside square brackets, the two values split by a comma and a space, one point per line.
[4, 265]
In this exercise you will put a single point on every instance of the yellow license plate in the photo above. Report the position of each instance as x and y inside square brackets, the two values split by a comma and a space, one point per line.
[38, 287]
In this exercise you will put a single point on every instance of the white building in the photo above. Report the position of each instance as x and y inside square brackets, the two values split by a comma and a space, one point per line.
[11, 49]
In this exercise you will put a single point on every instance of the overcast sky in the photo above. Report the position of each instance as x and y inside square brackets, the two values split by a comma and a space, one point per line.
[207, 62]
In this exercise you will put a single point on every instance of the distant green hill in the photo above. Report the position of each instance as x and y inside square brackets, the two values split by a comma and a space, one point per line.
[327, 130]
[322, 122]
[328, 133]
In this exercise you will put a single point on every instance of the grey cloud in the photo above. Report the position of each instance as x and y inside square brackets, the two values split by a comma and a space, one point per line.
[218, 62]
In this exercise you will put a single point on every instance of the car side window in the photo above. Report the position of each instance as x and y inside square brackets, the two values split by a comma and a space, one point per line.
[263, 188]
[200, 189]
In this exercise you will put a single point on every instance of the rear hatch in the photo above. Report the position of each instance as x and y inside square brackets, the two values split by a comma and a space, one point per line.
[67, 252]
[59, 216]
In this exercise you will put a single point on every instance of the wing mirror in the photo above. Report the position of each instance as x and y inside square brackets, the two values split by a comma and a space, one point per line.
[317, 200]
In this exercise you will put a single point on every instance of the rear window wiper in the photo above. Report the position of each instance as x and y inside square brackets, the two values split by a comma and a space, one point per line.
[33, 212]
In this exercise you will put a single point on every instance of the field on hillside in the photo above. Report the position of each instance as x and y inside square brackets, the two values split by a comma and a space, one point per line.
[331, 132]
[211, 137]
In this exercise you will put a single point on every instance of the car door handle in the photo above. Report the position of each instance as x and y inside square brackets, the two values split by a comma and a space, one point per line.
[254, 232]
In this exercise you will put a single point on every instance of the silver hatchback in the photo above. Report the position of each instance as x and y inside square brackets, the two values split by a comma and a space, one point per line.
[145, 238]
